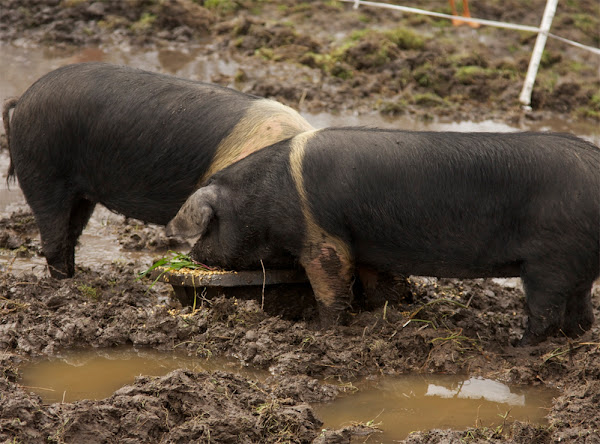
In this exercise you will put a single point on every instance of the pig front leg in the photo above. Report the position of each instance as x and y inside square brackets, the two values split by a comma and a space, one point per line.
[329, 268]
[558, 294]
[579, 315]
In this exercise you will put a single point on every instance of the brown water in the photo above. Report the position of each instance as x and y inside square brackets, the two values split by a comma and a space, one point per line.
[400, 405]
[396, 406]
[93, 374]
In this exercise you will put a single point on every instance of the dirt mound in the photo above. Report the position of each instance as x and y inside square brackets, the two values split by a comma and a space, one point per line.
[180, 407]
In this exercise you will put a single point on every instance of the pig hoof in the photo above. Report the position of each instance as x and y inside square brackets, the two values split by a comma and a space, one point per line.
[574, 328]
[329, 319]
[530, 339]
[60, 272]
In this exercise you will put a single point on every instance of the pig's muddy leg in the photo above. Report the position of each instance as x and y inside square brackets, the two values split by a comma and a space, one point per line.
[330, 275]
[546, 294]
[60, 218]
[80, 215]
[579, 316]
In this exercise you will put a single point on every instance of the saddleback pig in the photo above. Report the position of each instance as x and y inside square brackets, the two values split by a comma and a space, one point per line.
[464, 205]
[137, 142]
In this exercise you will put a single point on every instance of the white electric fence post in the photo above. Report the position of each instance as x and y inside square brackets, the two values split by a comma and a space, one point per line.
[536, 56]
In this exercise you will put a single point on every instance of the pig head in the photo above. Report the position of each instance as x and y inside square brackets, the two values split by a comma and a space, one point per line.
[212, 215]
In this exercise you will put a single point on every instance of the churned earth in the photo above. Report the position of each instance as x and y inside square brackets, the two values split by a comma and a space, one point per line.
[323, 55]
[319, 56]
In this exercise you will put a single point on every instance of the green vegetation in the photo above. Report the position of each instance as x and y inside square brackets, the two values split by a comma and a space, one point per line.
[405, 38]
[368, 48]
[468, 75]
[329, 64]
[177, 261]
[71, 3]
[266, 54]
[428, 99]
[113, 22]
[393, 108]
[547, 81]
[341, 71]
[589, 24]
[144, 23]
[422, 74]
[88, 291]
[594, 107]
[549, 59]
[221, 6]
[301, 7]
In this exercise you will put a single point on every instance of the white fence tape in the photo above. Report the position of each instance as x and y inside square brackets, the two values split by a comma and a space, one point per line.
[470, 19]
[542, 31]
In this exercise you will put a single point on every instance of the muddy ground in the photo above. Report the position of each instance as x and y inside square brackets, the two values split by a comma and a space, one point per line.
[313, 56]
[325, 56]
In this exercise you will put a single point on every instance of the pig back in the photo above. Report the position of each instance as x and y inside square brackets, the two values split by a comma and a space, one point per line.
[136, 141]
[456, 204]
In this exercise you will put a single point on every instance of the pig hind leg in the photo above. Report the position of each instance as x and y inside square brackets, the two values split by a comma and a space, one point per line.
[557, 302]
[546, 298]
[80, 215]
[61, 221]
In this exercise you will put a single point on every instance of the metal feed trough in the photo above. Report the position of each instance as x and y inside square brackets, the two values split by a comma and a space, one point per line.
[284, 292]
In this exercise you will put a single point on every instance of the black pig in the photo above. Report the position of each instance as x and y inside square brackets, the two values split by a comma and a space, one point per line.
[464, 205]
[137, 142]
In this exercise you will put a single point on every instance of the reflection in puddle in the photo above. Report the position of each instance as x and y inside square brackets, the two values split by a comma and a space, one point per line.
[413, 402]
[478, 388]
[23, 66]
[398, 405]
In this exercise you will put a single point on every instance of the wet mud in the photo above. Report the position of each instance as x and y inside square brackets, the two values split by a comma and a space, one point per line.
[403, 403]
[454, 327]
[296, 53]
[325, 56]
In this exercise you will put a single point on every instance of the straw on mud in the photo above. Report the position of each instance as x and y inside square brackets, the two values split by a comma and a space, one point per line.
[437, 301]
[176, 262]
[262, 304]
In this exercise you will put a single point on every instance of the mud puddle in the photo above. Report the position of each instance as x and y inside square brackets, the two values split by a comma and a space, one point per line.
[22, 66]
[96, 374]
[400, 405]
[394, 405]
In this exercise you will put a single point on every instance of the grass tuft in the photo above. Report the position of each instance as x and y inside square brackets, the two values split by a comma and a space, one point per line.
[176, 262]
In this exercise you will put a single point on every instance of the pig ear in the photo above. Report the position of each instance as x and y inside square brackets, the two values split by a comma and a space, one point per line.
[195, 214]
